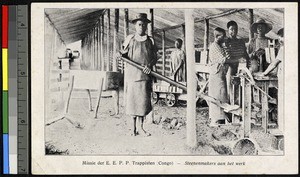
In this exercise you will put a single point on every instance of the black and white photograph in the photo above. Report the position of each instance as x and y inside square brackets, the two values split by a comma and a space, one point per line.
[157, 81]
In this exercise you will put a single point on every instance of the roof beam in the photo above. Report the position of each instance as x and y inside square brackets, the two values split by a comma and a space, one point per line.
[202, 19]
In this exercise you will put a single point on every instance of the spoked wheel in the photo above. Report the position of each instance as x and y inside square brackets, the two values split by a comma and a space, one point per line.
[170, 99]
[154, 97]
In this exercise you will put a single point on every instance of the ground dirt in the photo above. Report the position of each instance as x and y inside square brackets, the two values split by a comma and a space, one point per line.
[111, 134]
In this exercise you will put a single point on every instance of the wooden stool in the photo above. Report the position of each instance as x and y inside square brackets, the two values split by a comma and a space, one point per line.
[85, 80]
[79, 81]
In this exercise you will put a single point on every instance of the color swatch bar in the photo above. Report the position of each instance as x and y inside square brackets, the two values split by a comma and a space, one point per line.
[5, 89]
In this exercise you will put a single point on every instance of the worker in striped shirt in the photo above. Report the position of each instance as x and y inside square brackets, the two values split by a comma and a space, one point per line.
[238, 54]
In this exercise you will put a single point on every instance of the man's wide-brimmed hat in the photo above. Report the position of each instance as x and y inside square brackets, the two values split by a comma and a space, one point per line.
[142, 17]
[263, 22]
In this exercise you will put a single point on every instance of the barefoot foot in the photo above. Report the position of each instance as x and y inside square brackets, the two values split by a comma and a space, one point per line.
[134, 133]
[144, 133]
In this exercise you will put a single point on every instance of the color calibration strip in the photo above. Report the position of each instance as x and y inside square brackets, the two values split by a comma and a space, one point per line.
[22, 89]
[15, 89]
[5, 89]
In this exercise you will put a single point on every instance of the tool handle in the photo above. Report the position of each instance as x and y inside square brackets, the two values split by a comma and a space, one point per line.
[155, 74]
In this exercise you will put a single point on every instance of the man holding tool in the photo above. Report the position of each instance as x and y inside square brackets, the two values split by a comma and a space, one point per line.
[140, 48]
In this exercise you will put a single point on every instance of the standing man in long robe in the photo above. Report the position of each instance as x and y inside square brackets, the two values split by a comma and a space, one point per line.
[140, 48]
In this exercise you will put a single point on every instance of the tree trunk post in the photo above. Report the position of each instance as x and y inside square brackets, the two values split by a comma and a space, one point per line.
[191, 79]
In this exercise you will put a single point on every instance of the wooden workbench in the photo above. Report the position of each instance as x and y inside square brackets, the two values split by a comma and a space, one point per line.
[265, 83]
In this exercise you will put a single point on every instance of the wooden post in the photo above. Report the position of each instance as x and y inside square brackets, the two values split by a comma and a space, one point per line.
[115, 63]
[206, 34]
[91, 50]
[126, 23]
[206, 39]
[251, 34]
[90, 99]
[66, 108]
[163, 52]
[150, 116]
[151, 24]
[116, 42]
[99, 47]
[102, 43]
[99, 97]
[246, 107]
[280, 106]
[183, 37]
[108, 41]
[247, 101]
[83, 43]
[265, 107]
[94, 48]
[126, 32]
[191, 79]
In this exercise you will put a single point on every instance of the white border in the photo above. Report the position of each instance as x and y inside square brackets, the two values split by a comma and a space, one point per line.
[288, 163]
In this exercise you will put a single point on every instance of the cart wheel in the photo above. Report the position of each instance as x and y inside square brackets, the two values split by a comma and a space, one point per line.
[171, 99]
[154, 97]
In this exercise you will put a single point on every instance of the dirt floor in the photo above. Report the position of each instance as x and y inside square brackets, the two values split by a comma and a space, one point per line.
[111, 134]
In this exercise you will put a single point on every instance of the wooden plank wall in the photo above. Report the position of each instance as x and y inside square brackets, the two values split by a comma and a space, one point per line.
[159, 64]
[96, 44]
[56, 78]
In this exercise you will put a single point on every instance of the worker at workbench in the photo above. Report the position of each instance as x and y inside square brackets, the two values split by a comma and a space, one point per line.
[257, 45]
[217, 77]
[238, 54]
[277, 63]
[178, 64]
[140, 48]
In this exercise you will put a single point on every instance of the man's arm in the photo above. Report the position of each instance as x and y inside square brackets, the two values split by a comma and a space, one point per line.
[272, 66]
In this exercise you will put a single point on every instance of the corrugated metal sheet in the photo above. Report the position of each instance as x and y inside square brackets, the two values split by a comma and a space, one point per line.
[74, 24]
